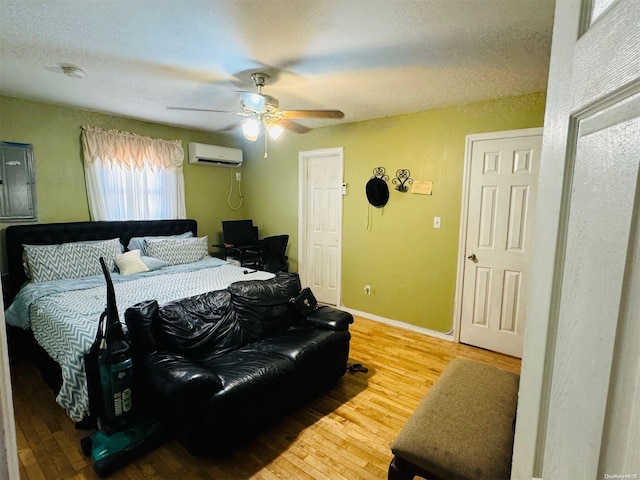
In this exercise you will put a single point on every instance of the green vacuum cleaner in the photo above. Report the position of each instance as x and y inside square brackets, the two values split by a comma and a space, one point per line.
[122, 435]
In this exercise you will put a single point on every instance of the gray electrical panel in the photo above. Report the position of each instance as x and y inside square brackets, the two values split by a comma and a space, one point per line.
[17, 182]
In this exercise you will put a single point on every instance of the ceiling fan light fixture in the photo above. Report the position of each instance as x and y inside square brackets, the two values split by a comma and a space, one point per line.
[274, 131]
[253, 102]
[263, 115]
[251, 129]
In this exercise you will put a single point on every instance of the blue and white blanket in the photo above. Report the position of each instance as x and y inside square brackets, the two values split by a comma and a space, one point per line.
[64, 314]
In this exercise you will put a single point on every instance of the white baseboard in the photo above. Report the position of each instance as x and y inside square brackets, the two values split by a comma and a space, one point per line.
[400, 324]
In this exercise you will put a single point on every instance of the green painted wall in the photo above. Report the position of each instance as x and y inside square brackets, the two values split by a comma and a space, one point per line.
[54, 133]
[410, 265]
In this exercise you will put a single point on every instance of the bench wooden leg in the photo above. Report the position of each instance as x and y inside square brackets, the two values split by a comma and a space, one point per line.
[396, 473]
[400, 469]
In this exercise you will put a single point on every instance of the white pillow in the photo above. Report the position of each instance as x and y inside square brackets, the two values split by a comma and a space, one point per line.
[178, 251]
[129, 263]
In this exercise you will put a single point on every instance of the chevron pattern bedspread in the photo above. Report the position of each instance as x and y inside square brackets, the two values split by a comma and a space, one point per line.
[65, 323]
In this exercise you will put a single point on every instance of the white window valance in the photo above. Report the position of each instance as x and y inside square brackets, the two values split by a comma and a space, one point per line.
[131, 177]
[131, 151]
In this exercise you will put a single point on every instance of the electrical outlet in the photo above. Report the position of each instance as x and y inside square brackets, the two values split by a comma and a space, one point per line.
[238, 176]
[367, 289]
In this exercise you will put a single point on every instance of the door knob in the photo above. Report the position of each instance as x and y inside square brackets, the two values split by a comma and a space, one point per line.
[473, 257]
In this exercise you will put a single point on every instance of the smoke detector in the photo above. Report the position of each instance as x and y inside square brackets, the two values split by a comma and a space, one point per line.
[73, 71]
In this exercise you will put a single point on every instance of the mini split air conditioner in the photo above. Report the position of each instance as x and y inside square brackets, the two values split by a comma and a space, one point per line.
[213, 155]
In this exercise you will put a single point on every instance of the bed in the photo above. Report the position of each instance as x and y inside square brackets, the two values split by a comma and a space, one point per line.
[61, 303]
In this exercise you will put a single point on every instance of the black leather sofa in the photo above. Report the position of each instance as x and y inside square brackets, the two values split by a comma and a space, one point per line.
[223, 364]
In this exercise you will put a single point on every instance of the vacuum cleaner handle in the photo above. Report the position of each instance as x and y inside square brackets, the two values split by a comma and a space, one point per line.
[112, 307]
[116, 367]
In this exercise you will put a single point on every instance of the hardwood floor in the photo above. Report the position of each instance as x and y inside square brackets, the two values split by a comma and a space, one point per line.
[344, 434]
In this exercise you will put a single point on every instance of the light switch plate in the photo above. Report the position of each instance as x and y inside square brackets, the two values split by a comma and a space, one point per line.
[436, 222]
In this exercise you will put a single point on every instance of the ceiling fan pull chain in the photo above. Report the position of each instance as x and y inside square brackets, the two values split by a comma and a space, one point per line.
[266, 142]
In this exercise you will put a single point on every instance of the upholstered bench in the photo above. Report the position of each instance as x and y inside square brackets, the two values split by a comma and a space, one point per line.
[462, 429]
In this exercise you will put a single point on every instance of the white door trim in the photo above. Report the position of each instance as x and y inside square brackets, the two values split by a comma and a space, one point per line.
[9, 467]
[303, 162]
[464, 214]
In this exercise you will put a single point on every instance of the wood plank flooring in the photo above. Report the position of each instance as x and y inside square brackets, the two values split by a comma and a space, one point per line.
[344, 434]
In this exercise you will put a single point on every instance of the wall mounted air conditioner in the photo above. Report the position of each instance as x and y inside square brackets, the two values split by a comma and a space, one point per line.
[213, 155]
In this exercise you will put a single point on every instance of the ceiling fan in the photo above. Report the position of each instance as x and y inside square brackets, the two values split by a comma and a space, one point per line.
[264, 110]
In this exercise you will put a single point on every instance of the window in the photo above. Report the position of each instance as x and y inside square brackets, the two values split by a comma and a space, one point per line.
[130, 177]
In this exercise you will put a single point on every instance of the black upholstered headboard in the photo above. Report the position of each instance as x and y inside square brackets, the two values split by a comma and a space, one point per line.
[53, 233]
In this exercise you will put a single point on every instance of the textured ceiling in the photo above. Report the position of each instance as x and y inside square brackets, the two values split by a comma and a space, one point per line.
[368, 58]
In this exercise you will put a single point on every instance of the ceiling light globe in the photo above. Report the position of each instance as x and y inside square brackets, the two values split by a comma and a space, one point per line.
[251, 130]
[275, 131]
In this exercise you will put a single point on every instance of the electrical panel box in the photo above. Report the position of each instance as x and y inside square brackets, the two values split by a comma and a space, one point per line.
[17, 182]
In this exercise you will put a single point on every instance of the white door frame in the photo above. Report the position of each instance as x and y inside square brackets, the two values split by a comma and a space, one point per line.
[303, 163]
[9, 467]
[464, 214]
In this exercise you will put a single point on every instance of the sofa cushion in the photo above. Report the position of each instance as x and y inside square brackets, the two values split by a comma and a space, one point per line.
[304, 344]
[200, 327]
[178, 377]
[274, 291]
[263, 307]
[246, 374]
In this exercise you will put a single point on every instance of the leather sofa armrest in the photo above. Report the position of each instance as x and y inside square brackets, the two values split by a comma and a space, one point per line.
[177, 377]
[329, 318]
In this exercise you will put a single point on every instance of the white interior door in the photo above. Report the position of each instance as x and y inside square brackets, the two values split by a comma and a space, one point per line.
[579, 401]
[500, 206]
[322, 223]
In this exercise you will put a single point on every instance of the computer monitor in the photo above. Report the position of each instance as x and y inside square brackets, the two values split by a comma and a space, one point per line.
[239, 232]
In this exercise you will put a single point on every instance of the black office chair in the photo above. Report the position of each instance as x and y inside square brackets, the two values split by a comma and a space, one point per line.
[273, 253]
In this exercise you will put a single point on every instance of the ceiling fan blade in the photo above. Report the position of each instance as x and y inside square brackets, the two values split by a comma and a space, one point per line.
[293, 126]
[312, 114]
[228, 128]
[204, 110]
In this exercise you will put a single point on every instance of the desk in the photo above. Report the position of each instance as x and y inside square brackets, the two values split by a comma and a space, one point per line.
[247, 255]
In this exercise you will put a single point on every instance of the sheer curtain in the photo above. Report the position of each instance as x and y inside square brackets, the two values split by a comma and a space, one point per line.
[130, 177]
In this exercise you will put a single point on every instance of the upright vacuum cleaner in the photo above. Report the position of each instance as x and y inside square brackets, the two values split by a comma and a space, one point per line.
[121, 436]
